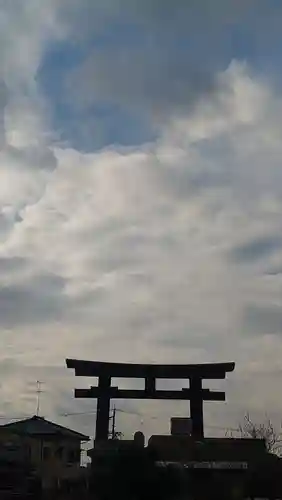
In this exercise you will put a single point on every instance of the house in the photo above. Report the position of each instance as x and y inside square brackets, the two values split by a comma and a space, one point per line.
[18, 480]
[52, 450]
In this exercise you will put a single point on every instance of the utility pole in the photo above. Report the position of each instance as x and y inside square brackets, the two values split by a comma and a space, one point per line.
[113, 433]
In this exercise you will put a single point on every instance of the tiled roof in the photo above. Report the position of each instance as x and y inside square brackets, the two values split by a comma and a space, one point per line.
[39, 426]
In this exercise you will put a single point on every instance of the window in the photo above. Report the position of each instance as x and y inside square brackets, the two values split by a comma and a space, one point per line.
[46, 453]
[59, 452]
[74, 456]
[28, 452]
[11, 446]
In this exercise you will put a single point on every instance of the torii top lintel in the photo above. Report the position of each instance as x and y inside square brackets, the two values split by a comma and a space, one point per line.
[86, 368]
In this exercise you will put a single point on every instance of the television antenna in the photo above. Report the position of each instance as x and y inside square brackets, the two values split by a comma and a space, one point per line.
[38, 392]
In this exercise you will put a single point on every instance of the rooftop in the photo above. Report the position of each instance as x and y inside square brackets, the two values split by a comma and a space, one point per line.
[39, 426]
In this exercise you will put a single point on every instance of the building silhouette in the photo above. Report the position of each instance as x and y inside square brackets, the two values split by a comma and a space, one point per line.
[52, 451]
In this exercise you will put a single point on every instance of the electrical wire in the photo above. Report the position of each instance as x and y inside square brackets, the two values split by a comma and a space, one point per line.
[77, 413]
[151, 417]
[22, 417]
[120, 410]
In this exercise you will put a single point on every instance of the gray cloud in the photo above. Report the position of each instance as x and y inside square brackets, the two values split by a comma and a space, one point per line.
[12, 265]
[275, 271]
[190, 40]
[256, 249]
[31, 157]
[164, 17]
[119, 254]
[3, 103]
[127, 226]
[37, 300]
[263, 320]
[138, 79]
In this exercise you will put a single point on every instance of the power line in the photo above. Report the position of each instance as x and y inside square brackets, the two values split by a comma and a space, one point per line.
[3, 417]
[119, 410]
[137, 413]
[155, 417]
[79, 413]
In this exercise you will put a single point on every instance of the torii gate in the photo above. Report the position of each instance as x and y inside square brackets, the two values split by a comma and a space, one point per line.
[104, 392]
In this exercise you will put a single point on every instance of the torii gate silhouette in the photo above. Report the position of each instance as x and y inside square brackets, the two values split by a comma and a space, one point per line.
[104, 392]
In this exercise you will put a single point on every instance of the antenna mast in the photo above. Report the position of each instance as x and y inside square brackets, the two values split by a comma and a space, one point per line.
[38, 392]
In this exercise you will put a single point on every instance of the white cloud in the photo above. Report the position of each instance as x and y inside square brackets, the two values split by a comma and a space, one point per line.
[126, 254]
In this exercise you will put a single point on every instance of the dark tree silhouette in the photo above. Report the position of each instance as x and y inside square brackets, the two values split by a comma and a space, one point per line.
[265, 430]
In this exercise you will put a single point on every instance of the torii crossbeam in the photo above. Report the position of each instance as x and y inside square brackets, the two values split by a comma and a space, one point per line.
[104, 392]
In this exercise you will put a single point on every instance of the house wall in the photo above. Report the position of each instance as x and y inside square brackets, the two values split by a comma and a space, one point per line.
[52, 458]
[41, 449]
[14, 447]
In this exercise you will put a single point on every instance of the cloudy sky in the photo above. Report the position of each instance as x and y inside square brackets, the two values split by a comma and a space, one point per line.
[141, 199]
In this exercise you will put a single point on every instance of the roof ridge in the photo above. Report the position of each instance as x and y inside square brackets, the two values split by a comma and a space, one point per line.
[62, 427]
[59, 427]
